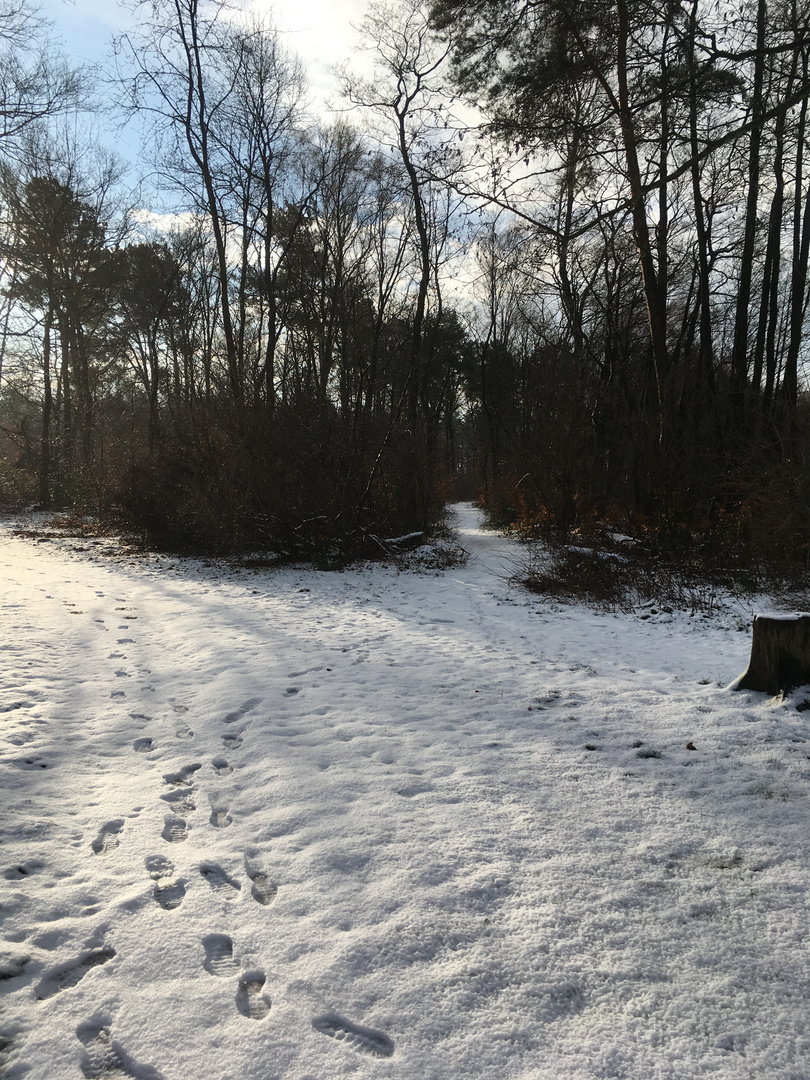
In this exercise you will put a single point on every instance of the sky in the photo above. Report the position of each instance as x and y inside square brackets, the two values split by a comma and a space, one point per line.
[319, 31]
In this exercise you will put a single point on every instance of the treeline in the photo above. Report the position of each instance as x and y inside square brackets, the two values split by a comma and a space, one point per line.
[655, 305]
[266, 373]
[589, 305]
[304, 426]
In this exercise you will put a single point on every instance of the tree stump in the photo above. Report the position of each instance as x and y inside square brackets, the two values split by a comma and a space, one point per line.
[780, 654]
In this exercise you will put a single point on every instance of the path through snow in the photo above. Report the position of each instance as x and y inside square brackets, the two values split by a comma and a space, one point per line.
[294, 824]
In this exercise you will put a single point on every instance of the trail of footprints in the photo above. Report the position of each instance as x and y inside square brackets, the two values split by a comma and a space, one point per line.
[102, 1057]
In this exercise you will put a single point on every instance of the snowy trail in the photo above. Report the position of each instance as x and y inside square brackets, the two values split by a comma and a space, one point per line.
[423, 826]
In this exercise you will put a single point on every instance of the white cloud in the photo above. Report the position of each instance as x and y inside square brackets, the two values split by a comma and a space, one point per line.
[321, 33]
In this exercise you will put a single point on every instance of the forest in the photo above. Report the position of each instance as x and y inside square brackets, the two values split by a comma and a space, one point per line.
[550, 256]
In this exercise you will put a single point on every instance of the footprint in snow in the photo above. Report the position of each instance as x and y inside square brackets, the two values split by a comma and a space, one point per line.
[22, 738]
[219, 955]
[169, 895]
[263, 891]
[180, 708]
[158, 866]
[104, 1057]
[419, 787]
[12, 967]
[231, 742]
[225, 886]
[220, 818]
[243, 710]
[29, 764]
[23, 870]
[101, 1057]
[69, 975]
[221, 766]
[143, 746]
[182, 778]
[180, 800]
[108, 839]
[366, 1040]
[250, 1001]
[117, 694]
[175, 830]
[184, 733]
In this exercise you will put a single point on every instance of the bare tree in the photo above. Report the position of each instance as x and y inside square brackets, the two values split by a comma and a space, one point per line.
[406, 94]
[36, 82]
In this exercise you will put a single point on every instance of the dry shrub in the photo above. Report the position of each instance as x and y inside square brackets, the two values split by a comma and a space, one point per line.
[745, 525]
[296, 483]
[622, 581]
[571, 574]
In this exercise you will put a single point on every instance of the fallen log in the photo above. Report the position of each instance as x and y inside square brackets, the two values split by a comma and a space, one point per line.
[406, 543]
[780, 654]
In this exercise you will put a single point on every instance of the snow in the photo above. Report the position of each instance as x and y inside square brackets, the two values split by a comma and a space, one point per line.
[299, 825]
[783, 616]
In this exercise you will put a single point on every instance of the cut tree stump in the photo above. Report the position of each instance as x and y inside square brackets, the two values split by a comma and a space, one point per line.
[780, 654]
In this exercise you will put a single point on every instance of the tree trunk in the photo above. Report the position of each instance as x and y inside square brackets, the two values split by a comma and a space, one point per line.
[801, 248]
[424, 256]
[765, 348]
[739, 354]
[197, 129]
[47, 409]
[656, 314]
[704, 283]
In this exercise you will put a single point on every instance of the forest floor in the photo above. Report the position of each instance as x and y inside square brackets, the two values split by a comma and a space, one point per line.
[298, 825]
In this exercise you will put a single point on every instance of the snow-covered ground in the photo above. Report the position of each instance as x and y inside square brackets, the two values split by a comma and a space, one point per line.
[297, 825]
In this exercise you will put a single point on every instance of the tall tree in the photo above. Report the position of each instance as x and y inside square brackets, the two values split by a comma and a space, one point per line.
[224, 98]
[515, 54]
[64, 271]
[405, 93]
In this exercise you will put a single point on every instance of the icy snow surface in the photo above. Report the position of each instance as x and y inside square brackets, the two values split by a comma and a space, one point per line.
[296, 825]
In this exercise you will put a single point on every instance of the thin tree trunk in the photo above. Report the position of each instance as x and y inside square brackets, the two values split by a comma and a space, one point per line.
[706, 343]
[47, 409]
[656, 314]
[424, 259]
[801, 250]
[739, 353]
[197, 139]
